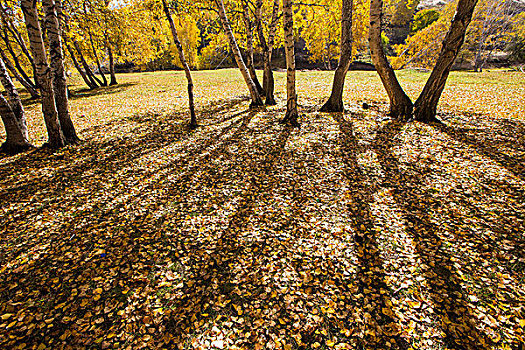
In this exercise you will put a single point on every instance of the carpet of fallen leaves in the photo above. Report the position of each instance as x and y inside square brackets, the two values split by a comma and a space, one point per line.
[352, 232]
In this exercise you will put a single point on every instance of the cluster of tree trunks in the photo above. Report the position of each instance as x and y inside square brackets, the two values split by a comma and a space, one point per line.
[51, 83]
[401, 106]
[254, 92]
[267, 46]
[50, 80]
[10, 31]
[248, 69]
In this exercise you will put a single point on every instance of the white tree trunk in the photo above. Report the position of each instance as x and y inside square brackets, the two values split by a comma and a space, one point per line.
[56, 139]
[291, 94]
[193, 118]
[13, 116]
[256, 97]
[58, 72]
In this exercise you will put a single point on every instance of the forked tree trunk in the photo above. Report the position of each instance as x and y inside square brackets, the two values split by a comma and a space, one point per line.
[27, 85]
[255, 96]
[13, 117]
[291, 94]
[268, 81]
[43, 72]
[426, 105]
[400, 104]
[335, 102]
[193, 117]
[90, 83]
[249, 46]
[113, 76]
[58, 72]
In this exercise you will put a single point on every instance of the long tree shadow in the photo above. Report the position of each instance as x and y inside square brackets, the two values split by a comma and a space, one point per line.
[485, 141]
[384, 324]
[212, 279]
[107, 156]
[451, 303]
[123, 231]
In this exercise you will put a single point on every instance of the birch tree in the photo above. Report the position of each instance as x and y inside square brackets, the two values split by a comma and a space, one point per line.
[255, 96]
[193, 118]
[13, 116]
[249, 46]
[291, 94]
[57, 69]
[335, 102]
[43, 72]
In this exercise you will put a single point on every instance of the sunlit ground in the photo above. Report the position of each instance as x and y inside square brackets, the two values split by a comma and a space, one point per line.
[353, 231]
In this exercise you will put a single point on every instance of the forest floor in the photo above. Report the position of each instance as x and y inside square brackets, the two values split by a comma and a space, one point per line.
[352, 232]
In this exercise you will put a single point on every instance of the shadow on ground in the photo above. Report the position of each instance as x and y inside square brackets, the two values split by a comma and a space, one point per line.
[246, 232]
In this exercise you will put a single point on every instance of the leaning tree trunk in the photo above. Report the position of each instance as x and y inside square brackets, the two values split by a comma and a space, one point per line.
[27, 85]
[91, 75]
[112, 75]
[56, 139]
[268, 81]
[426, 105]
[193, 117]
[97, 61]
[400, 104]
[90, 83]
[13, 116]
[58, 72]
[335, 102]
[249, 46]
[256, 97]
[20, 41]
[16, 61]
[291, 104]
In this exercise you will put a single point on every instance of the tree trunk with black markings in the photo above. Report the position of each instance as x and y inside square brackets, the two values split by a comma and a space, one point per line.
[182, 57]
[112, 75]
[56, 56]
[291, 94]
[13, 116]
[56, 138]
[255, 96]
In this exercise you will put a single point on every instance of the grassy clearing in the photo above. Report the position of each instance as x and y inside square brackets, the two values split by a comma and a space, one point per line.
[351, 232]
